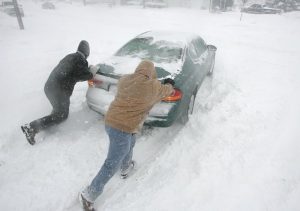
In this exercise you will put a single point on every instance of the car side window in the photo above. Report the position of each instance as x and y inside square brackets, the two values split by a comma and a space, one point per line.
[197, 48]
[200, 46]
[192, 52]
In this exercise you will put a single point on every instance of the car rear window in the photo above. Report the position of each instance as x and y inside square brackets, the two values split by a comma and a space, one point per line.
[145, 48]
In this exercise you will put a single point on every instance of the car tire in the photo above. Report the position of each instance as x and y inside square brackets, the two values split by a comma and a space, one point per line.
[189, 110]
[212, 67]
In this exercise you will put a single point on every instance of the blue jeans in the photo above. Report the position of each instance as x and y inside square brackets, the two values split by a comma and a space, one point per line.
[119, 155]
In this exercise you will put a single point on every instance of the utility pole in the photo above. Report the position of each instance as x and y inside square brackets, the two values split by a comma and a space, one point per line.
[244, 2]
[210, 6]
[224, 5]
[19, 17]
[144, 3]
[84, 2]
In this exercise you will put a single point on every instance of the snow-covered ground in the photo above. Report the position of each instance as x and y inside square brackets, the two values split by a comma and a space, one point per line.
[239, 151]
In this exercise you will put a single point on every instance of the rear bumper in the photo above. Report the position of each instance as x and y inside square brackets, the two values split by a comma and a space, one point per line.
[161, 115]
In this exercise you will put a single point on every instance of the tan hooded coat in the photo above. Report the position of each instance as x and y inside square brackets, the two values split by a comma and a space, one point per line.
[136, 95]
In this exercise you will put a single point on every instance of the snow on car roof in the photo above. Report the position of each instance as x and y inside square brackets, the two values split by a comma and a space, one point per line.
[181, 38]
[126, 65]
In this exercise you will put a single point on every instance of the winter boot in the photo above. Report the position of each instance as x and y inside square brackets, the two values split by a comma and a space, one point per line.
[29, 133]
[126, 172]
[86, 205]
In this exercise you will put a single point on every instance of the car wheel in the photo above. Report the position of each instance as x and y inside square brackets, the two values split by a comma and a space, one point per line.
[212, 67]
[189, 110]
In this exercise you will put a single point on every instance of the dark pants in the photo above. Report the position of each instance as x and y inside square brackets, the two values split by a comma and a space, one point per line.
[60, 102]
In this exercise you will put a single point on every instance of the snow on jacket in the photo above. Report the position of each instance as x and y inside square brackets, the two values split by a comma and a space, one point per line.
[137, 93]
[71, 69]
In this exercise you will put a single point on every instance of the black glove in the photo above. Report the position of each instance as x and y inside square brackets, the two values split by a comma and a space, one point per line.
[169, 81]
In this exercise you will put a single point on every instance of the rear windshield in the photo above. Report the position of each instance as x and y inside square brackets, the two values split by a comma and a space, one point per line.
[145, 48]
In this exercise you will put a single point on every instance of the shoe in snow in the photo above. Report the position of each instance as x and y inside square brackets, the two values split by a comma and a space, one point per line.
[29, 133]
[126, 172]
[86, 205]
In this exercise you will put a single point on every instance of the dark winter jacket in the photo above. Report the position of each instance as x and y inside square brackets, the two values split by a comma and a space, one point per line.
[70, 70]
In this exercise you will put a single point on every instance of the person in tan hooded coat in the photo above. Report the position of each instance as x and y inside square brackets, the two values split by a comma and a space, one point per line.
[136, 95]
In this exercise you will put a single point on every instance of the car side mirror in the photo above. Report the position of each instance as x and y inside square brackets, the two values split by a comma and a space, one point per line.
[211, 48]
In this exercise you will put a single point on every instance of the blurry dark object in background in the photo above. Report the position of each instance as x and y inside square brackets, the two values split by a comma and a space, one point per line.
[261, 9]
[155, 3]
[8, 8]
[48, 6]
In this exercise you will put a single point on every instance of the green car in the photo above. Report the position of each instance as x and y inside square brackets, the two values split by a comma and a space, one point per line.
[184, 57]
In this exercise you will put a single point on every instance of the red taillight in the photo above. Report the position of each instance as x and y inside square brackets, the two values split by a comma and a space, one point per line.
[175, 97]
[94, 82]
[91, 82]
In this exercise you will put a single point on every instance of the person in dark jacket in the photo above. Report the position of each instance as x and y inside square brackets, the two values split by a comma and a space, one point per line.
[59, 88]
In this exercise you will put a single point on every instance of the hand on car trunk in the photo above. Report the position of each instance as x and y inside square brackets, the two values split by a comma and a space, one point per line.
[169, 81]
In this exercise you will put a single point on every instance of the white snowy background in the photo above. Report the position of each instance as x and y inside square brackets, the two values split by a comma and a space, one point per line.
[240, 151]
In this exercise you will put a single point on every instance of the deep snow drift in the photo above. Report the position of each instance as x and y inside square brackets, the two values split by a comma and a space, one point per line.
[239, 151]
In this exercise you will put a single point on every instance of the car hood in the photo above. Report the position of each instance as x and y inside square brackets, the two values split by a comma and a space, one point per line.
[119, 66]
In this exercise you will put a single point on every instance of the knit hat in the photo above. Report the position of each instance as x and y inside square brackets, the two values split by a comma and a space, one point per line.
[84, 48]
